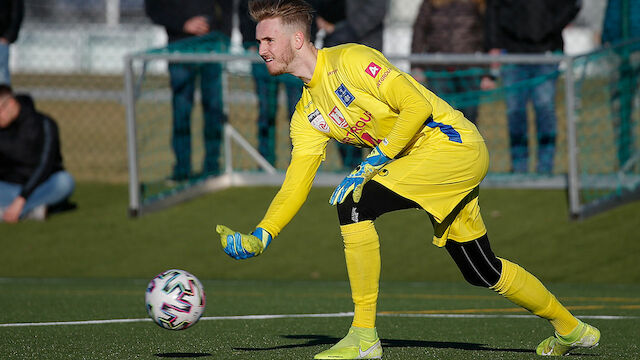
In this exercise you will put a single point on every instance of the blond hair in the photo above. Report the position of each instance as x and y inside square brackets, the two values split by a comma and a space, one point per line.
[291, 12]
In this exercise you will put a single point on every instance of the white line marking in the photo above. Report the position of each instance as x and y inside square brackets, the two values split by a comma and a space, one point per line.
[328, 315]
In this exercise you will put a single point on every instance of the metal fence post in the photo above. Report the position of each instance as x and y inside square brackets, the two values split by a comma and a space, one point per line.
[129, 101]
[572, 141]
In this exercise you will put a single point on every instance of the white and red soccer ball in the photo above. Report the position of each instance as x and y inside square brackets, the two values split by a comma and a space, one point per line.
[175, 299]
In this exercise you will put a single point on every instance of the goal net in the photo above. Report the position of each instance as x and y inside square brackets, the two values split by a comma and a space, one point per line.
[595, 156]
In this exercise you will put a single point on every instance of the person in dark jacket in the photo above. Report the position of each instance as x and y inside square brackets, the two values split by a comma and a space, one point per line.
[351, 21]
[11, 13]
[531, 27]
[267, 88]
[32, 176]
[183, 20]
[450, 27]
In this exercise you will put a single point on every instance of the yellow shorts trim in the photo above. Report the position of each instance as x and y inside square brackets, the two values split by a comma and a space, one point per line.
[463, 224]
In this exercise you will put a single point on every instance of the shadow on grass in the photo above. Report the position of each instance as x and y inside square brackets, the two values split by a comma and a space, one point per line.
[182, 355]
[315, 340]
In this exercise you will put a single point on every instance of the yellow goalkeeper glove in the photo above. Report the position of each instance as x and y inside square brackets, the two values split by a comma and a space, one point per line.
[242, 246]
[358, 177]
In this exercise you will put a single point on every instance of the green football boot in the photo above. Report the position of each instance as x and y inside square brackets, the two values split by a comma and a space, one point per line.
[360, 343]
[584, 336]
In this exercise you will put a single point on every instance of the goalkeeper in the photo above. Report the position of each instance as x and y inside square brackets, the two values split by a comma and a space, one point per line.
[425, 154]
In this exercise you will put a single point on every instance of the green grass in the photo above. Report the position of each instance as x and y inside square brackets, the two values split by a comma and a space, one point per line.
[526, 226]
[94, 264]
[495, 337]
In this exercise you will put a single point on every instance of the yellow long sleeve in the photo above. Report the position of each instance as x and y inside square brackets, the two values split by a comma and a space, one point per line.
[292, 193]
[413, 109]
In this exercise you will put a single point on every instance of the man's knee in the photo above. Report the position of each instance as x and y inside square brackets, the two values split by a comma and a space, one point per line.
[476, 261]
[350, 212]
[64, 183]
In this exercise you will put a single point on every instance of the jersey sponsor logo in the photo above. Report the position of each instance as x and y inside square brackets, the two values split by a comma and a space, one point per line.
[332, 72]
[338, 118]
[383, 77]
[344, 95]
[373, 69]
[316, 119]
[356, 132]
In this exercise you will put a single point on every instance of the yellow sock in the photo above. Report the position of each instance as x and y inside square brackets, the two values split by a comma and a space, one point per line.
[362, 254]
[524, 289]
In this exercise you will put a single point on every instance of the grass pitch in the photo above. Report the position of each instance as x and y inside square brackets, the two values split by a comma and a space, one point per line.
[417, 321]
[93, 264]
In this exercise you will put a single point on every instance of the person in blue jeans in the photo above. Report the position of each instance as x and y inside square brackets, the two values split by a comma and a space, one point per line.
[529, 27]
[267, 89]
[183, 20]
[11, 14]
[535, 83]
[183, 82]
[32, 176]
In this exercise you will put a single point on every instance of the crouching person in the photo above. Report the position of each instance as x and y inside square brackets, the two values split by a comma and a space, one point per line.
[32, 177]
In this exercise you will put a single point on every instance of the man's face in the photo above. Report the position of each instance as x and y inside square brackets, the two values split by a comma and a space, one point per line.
[8, 110]
[276, 45]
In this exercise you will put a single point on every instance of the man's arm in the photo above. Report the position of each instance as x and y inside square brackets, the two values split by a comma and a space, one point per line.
[413, 108]
[366, 17]
[491, 27]
[17, 13]
[292, 194]
[419, 39]
[284, 206]
[48, 157]
[160, 12]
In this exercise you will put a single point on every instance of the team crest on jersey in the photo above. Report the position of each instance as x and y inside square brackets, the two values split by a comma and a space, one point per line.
[316, 119]
[344, 95]
[338, 118]
[373, 69]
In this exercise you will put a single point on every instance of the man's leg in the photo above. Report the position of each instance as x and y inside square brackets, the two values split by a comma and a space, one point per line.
[293, 87]
[544, 103]
[480, 267]
[362, 254]
[267, 91]
[8, 192]
[214, 117]
[516, 102]
[182, 78]
[5, 75]
[58, 187]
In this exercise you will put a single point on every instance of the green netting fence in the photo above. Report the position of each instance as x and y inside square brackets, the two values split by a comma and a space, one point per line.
[585, 107]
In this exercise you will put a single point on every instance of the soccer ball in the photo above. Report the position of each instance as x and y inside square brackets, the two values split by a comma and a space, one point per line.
[175, 299]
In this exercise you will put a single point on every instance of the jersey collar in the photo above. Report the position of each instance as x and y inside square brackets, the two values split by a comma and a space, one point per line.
[318, 71]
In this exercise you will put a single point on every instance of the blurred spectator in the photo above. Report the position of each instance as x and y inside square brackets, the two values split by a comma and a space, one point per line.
[11, 12]
[267, 88]
[453, 27]
[525, 26]
[182, 20]
[622, 22]
[32, 176]
[351, 21]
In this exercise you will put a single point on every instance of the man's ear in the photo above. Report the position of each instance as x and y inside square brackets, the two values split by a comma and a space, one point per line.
[299, 39]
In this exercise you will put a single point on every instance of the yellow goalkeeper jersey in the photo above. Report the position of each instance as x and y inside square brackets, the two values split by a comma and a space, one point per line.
[358, 97]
